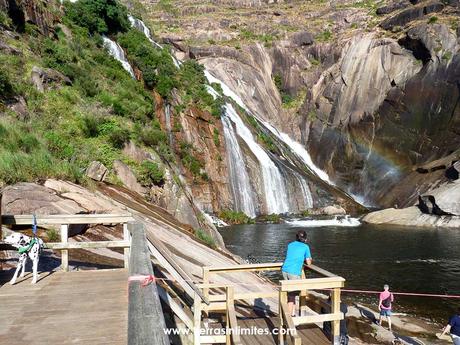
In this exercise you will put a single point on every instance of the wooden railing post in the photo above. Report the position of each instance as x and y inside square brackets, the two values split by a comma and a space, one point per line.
[206, 282]
[283, 301]
[335, 306]
[196, 319]
[303, 297]
[126, 237]
[65, 252]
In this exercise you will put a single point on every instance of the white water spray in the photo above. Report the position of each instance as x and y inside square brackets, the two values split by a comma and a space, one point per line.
[115, 50]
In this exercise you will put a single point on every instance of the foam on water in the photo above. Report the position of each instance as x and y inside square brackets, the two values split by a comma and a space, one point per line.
[345, 221]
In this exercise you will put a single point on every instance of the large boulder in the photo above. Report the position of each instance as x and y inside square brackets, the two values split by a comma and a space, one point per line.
[303, 38]
[29, 198]
[406, 16]
[127, 177]
[96, 171]
[46, 78]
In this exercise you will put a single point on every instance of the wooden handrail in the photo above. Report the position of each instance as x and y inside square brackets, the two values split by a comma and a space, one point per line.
[160, 253]
[27, 219]
[312, 284]
[146, 324]
[87, 245]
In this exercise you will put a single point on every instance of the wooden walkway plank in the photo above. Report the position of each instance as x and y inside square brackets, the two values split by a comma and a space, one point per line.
[85, 307]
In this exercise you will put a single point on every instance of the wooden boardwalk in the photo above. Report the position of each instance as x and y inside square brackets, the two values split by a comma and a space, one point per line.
[83, 307]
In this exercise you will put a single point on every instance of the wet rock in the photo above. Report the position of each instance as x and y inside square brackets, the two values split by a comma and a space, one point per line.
[411, 14]
[127, 177]
[332, 210]
[452, 172]
[303, 38]
[96, 171]
[46, 78]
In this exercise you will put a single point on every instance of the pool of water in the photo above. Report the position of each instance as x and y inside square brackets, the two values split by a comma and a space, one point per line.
[408, 259]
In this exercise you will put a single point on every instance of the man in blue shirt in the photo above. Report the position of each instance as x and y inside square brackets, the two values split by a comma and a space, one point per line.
[298, 253]
[454, 328]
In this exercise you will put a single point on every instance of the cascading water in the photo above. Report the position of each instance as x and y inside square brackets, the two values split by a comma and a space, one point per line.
[168, 123]
[115, 50]
[140, 25]
[274, 188]
[243, 195]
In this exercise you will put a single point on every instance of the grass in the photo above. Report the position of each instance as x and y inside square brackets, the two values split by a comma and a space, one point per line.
[235, 217]
[53, 235]
[92, 118]
[205, 237]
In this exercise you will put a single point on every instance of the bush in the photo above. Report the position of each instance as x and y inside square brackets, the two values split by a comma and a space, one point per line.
[271, 218]
[118, 137]
[234, 217]
[52, 235]
[205, 237]
[193, 164]
[7, 90]
[156, 65]
[432, 20]
[149, 173]
[99, 16]
[59, 146]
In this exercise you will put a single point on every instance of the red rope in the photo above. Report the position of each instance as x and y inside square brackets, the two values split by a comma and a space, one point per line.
[401, 293]
[145, 279]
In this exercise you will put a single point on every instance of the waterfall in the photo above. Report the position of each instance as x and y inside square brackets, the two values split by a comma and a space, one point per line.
[308, 200]
[140, 25]
[299, 150]
[168, 123]
[243, 195]
[273, 183]
[115, 50]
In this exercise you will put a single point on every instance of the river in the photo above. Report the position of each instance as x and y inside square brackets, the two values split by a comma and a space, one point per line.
[368, 256]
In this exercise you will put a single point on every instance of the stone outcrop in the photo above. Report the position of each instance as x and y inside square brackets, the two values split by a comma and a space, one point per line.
[43, 14]
[96, 171]
[127, 177]
[413, 13]
[46, 78]
[447, 199]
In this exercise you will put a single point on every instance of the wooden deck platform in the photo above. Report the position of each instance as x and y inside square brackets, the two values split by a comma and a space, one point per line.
[310, 334]
[84, 307]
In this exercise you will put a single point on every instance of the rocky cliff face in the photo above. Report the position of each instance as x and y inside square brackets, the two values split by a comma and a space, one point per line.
[380, 84]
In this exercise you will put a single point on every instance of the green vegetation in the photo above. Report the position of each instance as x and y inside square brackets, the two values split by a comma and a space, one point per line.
[7, 89]
[193, 82]
[432, 20]
[447, 56]
[52, 235]
[271, 218]
[188, 159]
[98, 16]
[324, 36]
[205, 237]
[266, 39]
[215, 136]
[235, 217]
[24, 156]
[305, 213]
[156, 65]
[149, 173]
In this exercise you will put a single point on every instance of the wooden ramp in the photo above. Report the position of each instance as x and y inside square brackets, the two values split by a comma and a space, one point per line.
[310, 334]
[83, 307]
